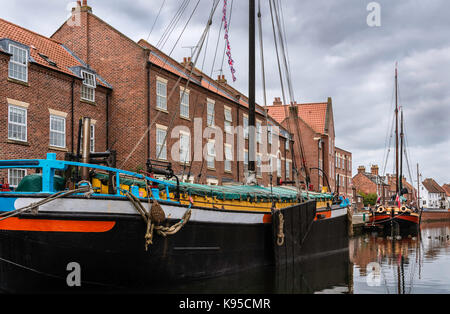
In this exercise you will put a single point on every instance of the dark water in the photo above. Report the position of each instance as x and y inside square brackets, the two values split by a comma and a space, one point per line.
[373, 265]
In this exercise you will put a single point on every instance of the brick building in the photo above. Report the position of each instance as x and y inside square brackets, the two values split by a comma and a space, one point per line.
[384, 186]
[316, 129]
[343, 165]
[156, 97]
[371, 182]
[45, 88]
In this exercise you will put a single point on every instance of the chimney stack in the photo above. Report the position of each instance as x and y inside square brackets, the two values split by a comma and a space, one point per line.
[361, 169]
[221, 79]
[277, 101]
[374, 170]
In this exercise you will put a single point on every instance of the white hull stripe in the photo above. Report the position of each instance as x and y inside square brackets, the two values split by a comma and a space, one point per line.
[92, 206]
[339, 212]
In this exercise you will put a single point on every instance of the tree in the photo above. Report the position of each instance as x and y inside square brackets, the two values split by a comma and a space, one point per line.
[369, 199]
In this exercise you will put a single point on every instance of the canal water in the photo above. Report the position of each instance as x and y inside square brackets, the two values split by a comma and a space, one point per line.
[373, 265]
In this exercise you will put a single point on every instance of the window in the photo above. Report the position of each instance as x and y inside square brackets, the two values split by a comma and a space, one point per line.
[288, 169]
[258, 165]
[17, 123]
[269, 134]
[228, 121]
[287, 147]
[18, 64]
[185, 147]
[258, 132]
[161, 94]
[184, 103]
[58, 131]
[228, 158]
[161, 143]
[92, 138]
[245, 122]
[88, 87]
[245, 160]
[15, 176]
[210, 113]
[279, 167]
[211, 154]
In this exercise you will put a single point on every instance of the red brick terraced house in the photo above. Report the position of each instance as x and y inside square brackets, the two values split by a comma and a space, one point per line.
[157, 98]
[371, 183]
[316, 126]
[343, 166]
[45, 89]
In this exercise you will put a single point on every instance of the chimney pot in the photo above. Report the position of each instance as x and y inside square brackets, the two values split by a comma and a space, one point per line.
[84, 3]
[361, 169]
[374, 170]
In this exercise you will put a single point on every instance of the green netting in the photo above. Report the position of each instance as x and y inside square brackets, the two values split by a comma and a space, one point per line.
[234, 192]
[33, 183]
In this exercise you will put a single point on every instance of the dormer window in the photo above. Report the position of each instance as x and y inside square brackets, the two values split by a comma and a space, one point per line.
[18, 64]
[88, 87]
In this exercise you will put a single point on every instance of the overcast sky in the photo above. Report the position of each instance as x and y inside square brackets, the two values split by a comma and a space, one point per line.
[333, 52]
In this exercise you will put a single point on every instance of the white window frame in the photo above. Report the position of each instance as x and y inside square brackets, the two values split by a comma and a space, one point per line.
[211, 154]
[228, 124]
[52, 116]
[288, 168]
[210, 112]
[21, 125]
[228, 158]
[184, 107]
[269, 134]
[10, 176]
[185, 156]
[161, 99]
[258, 131]
[245, 123]
[245, 162]
[92, 138]
[160, 146]
[259, 165]
[88, 86]
[279, 167]
[17, 63]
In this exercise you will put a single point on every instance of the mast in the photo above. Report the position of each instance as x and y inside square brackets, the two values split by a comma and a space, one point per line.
[418, 188]
[251, 93]
[401, 152]
[396, 131]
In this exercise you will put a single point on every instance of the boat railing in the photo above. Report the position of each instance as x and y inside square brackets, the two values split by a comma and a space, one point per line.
[50, 165]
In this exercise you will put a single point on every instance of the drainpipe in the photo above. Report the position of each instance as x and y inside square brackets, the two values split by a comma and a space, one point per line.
[86, 146]
[72, 113]
[149, 65]
[108, 95]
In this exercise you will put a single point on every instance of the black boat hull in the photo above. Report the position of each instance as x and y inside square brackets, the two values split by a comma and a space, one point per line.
[308, 234]
[116, 260]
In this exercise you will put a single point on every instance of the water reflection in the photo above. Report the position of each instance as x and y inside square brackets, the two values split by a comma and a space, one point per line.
[401, 266]
[329, 274]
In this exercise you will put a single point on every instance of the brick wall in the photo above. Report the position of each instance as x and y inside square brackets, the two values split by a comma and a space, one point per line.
[123, 63]
[46, 89]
